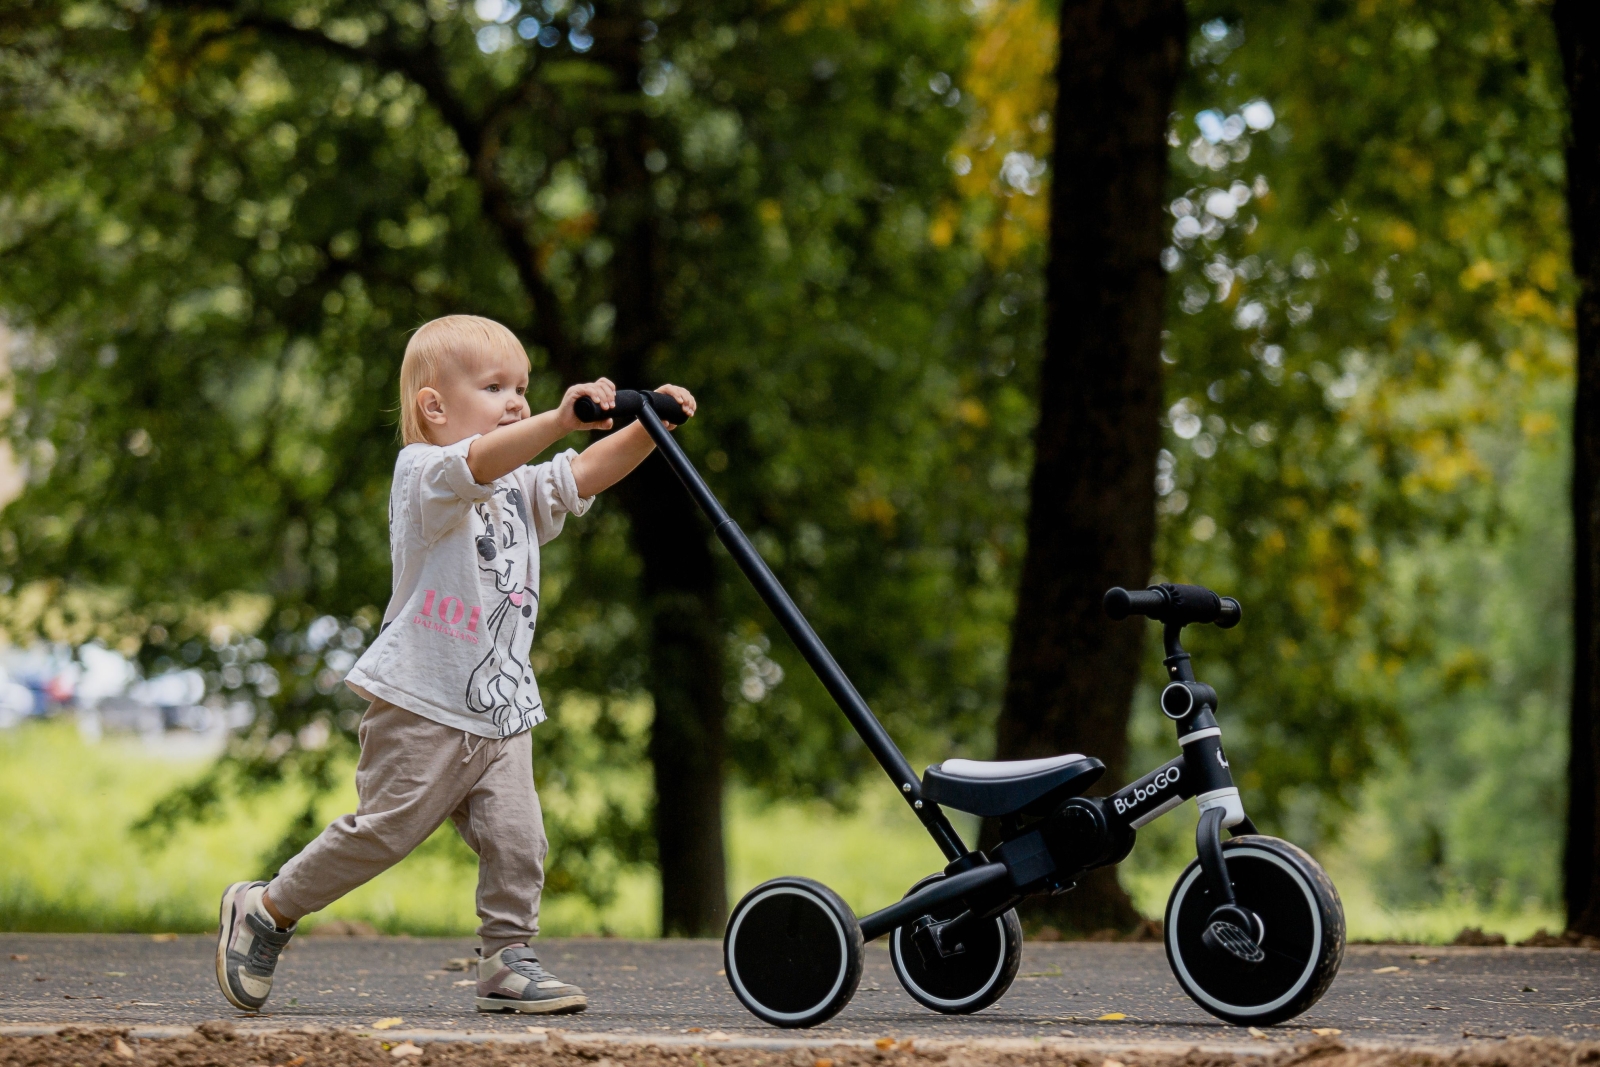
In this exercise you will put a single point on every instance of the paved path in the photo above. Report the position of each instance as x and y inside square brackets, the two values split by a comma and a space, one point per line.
[1436, 996]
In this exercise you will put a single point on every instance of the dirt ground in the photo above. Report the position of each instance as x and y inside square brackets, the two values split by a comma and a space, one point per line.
[219, 1044]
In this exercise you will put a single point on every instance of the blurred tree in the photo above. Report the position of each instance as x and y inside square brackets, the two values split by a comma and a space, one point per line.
[220, 219]
[1580, 51]
[1091, 511]
[1370, 297]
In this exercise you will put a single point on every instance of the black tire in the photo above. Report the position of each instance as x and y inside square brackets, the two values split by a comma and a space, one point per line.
[963, 983]
[792, 952]
[1302, 935]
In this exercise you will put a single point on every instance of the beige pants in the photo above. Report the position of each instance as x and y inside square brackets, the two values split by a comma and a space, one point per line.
[414, 773]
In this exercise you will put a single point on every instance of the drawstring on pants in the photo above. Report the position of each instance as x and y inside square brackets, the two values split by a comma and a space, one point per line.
[472, 750]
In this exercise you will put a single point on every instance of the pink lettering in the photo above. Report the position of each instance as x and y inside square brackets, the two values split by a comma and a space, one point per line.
[427, 603]
[472, 623]
[449, 615]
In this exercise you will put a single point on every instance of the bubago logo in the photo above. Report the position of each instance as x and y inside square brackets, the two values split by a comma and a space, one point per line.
[1143, 793]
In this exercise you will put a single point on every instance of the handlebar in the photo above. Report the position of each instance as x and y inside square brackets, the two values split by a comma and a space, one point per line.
[1175, 604]
[628, 405]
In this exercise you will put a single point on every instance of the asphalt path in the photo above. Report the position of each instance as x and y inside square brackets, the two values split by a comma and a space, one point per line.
[1391, 995]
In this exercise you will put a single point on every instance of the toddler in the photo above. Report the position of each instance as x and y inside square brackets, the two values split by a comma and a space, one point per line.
[449, 678]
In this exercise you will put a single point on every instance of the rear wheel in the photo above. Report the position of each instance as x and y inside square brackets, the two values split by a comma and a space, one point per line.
[1300, 929]
[967, 981]
[793, 952]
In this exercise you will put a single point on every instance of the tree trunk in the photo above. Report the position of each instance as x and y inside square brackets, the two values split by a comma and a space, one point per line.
[1091, 521]
[680, 574]
[1580, 53]
[686, 741]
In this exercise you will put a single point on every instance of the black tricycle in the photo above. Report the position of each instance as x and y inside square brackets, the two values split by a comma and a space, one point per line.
[1254, 929]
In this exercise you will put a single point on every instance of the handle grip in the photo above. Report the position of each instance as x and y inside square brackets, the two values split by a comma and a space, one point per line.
[628, 405]
[1119, 603]
[1180, 604]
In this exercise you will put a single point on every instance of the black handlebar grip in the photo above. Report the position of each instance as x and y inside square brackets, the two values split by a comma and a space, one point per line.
[1119, 603]
[1168, 603]
[628, 405]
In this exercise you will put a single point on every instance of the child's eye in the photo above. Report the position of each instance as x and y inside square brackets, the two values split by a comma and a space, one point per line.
[494, 388]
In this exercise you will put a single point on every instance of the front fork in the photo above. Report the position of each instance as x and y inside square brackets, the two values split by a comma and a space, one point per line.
[1231, 930]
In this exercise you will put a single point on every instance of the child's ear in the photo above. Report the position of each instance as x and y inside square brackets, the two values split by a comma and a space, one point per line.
[431, 404]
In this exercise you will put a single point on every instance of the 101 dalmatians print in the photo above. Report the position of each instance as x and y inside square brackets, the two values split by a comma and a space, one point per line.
[501, 686]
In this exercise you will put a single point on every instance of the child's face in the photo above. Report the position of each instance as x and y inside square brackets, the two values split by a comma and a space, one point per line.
[475, 399]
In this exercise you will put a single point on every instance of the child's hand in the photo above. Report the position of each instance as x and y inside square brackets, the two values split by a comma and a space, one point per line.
[602, 392]
[684, 398]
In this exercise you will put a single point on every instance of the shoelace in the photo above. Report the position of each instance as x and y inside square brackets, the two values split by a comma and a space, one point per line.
[263, 955]
[528, 966]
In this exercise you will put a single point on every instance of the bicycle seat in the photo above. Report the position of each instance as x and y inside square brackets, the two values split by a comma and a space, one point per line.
[1007, 787]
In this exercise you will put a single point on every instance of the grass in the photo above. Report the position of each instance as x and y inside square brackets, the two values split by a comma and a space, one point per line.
[69, 863]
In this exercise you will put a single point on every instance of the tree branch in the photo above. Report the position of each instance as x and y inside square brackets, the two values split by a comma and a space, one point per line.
[479, 139]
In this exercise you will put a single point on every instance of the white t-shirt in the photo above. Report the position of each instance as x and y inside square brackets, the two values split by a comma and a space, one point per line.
[455, 640]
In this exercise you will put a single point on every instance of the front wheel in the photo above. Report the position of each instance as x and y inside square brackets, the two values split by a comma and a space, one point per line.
[969, 980]
[793, 952]
[1301, 929]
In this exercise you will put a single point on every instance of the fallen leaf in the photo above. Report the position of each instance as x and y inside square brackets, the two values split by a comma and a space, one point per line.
[1066, 1033]
[1111, 1017]
[885, 1043]
[465, 981]
[627, 967]
[1257, 1034]
[822, 1063]
[162, 939]
[908, 1044]
[1529, 989]
[694, 1030]
[388, 1024]
[1435, 1007]
[1326, 1031]
[19, 956]
[1111, 1063]
[536, 1030]
[460, 963]
[722, 974]
[39, 978]
[718, 1035]
[120, 1047]
[115, 974]
[298, 1061]
[404, 1050]
[1387, 970]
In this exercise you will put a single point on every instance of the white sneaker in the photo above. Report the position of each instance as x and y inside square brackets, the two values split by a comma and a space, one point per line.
[513, 980]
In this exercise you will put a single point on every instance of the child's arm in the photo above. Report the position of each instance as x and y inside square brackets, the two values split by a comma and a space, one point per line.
[501, 451]
[606, 462]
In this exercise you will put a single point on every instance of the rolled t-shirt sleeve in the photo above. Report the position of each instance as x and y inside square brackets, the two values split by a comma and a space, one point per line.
[445, 488]
[552, 495]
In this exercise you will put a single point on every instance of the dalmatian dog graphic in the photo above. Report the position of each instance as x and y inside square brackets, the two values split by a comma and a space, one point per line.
[496, 688]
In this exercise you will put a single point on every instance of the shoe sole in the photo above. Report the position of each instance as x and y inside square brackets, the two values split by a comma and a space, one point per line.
[552, 1006]
[224, 937]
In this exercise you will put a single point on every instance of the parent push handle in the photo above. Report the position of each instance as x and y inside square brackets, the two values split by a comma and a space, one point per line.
[805, 638]
[1173, 604]
[629, 403]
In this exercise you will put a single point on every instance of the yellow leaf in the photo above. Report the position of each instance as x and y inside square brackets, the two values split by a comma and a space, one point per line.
[1386, 970]
[1111, 1017]
[385, 1024]
[1326, 1031]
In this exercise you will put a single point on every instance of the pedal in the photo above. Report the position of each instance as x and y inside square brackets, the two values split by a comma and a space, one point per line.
[1226, 939]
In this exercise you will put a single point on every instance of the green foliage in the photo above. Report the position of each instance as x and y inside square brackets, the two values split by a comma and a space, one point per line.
[1368, 288]
[221, 221]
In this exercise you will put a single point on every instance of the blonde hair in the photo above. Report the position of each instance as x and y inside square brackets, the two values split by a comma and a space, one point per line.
[450, 341]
